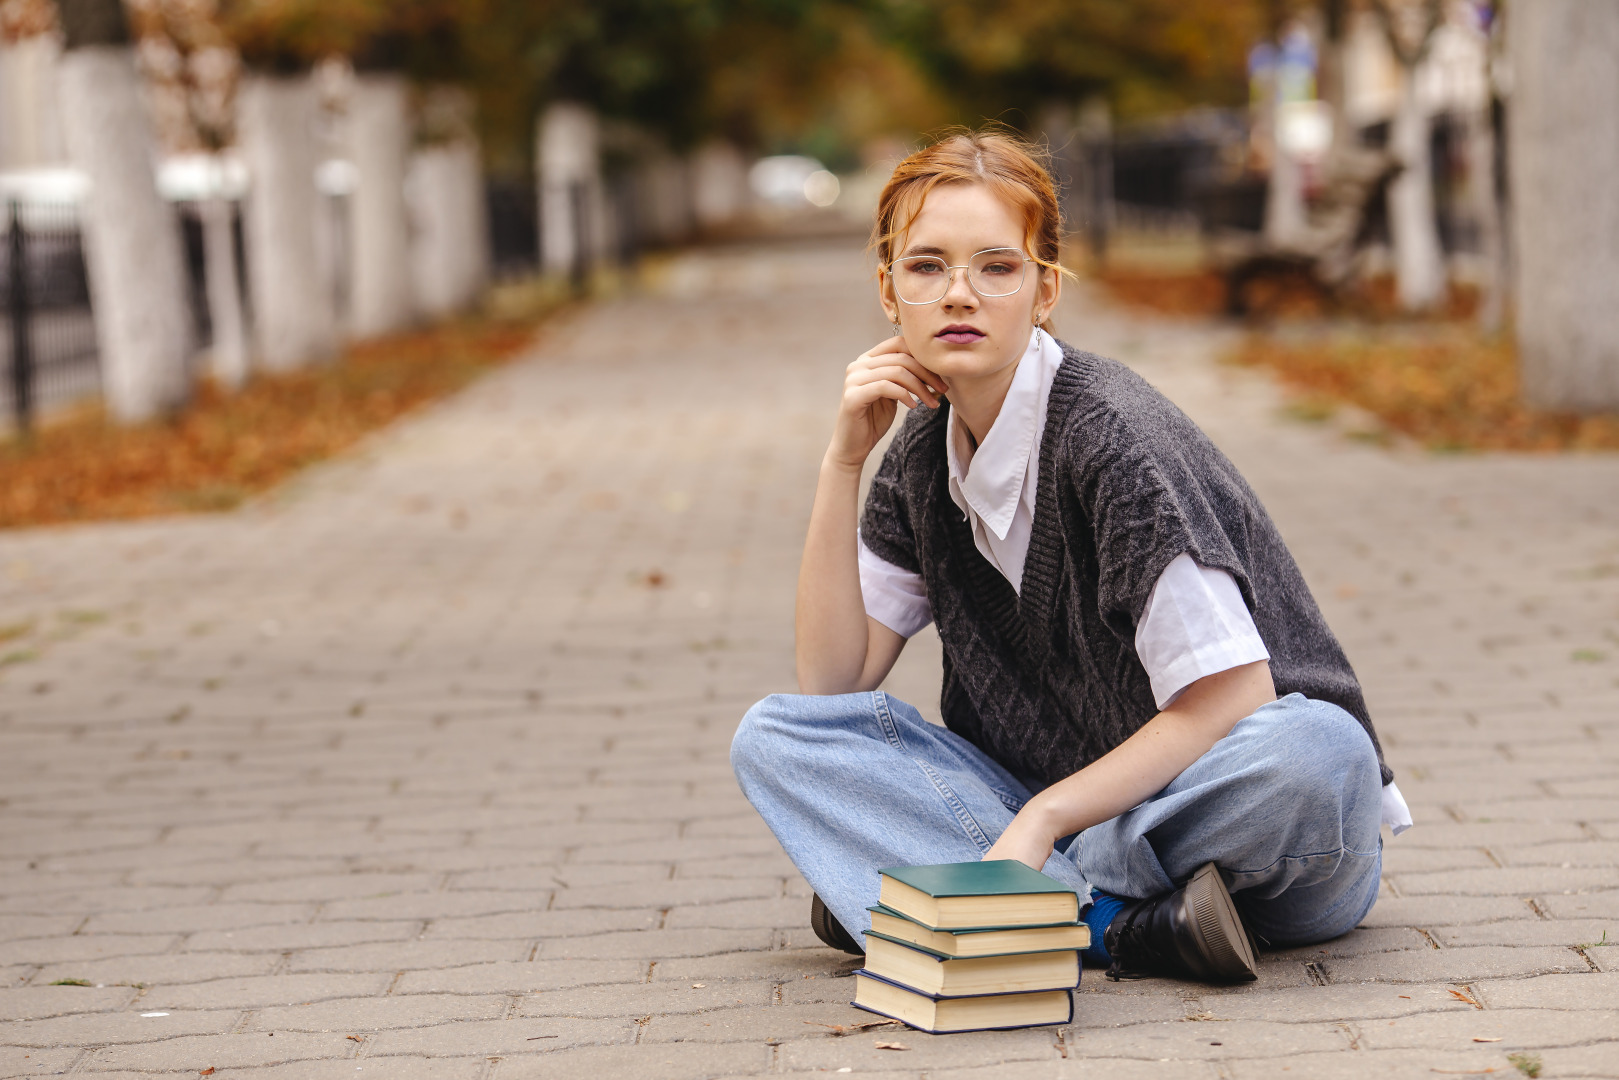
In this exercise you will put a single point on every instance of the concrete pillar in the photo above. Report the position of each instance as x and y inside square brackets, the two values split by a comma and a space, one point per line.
[571, 202]
[381, 290]
[449, 226]
[132, 239]
[719, 178]
[294, 311]
[665, 198]
[30, 117]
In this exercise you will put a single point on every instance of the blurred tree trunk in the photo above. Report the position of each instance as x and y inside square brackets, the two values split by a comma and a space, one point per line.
[445, 190]
[1330, 77]
[1419, 264]
[1563, 149]
[132, 238]
[379, 139]
[294, 311]
[1481, 164]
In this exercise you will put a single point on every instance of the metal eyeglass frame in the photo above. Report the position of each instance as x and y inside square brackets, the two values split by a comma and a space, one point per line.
[950, 277]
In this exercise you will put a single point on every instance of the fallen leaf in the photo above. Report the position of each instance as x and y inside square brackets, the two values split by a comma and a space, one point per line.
[892, 1046]
[1459, 996]
[357, 1038]
[209, 1071]
[1487, 1038]
[531, 1038]
[698, 986]
[853, 1029]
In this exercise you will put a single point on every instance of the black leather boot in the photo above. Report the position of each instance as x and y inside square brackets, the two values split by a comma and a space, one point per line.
[828, 929]
[1193, 933]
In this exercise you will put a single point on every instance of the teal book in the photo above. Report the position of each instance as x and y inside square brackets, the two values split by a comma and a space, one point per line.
[962, 896]
[978, 941]
[940, 976]
[980, 1012]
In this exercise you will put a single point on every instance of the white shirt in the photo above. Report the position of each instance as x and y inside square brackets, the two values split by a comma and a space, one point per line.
[1195, 622]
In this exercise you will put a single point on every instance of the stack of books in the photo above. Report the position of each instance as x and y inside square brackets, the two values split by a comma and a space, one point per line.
[971, 946]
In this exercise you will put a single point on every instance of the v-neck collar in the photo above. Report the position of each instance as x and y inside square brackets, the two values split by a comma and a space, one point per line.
[1023, 615]
[992, 483]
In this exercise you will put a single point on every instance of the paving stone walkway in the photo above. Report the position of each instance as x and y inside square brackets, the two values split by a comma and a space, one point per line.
[418, 769]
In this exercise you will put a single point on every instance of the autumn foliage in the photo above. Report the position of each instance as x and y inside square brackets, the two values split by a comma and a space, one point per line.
[225, 448]
[1447, 388]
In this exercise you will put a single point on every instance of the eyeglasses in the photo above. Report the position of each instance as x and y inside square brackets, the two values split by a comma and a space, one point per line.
[924, 279]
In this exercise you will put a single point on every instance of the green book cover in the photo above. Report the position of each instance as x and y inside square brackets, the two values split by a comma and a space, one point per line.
[947, 958]
[1001, 877]
[884, 909]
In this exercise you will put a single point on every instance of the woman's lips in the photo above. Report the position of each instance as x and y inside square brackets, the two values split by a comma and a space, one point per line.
[960, 335]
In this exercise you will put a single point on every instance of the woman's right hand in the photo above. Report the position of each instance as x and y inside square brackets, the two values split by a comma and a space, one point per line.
[874, 386]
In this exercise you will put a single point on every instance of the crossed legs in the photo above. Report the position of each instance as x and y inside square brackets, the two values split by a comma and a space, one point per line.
[1286, 805]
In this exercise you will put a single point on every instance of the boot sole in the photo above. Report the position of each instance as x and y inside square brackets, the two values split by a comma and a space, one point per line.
[1219, 928]
[829, 930]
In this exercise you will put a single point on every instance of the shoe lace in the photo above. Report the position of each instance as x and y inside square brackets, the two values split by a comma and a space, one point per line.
[1132, 951]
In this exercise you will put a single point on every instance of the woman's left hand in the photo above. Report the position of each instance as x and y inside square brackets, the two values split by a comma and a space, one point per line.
[1027, 840]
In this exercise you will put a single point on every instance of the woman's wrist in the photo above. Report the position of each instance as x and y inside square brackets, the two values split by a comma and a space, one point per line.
[1044, 819]
[842, 466]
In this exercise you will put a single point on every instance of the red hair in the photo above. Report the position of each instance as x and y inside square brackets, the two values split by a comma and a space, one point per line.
[1000, 161]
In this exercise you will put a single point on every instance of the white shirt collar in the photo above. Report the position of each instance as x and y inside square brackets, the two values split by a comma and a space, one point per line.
[993, 483]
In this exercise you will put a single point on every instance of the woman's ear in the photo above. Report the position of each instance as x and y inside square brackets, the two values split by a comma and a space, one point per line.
[885, 296]
[1050, 291]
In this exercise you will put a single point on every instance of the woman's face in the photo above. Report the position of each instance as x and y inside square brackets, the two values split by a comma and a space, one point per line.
[963, 335]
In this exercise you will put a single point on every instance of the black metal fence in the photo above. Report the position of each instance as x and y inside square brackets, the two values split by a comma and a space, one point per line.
[514, 230]
[48, 343]
[193, 247]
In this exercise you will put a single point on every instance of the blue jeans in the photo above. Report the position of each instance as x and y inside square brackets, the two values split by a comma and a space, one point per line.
[1287, 806]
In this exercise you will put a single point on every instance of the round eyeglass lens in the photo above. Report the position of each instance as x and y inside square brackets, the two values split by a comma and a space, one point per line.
[924, 279]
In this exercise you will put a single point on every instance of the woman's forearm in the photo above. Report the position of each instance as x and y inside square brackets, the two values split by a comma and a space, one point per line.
[830, 621]
[1141, 766]
[839, 649]
[1136, 769]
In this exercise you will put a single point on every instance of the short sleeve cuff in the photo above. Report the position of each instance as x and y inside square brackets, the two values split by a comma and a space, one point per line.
[1211, 659]
[1195, 624]
[1396, 815]
[893, 596]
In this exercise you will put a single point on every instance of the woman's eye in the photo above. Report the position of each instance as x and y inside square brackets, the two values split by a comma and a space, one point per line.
[997, 268]
[927, 267]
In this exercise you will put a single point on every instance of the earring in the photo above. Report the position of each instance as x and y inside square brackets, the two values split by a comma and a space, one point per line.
[897, 330]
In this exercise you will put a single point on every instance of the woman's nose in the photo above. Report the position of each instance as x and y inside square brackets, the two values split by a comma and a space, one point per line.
[960, 291]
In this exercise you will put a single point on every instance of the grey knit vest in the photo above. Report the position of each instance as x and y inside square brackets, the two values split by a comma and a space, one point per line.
[1047, 680]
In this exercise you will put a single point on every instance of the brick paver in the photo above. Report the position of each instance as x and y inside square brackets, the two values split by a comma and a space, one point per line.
[418, 769]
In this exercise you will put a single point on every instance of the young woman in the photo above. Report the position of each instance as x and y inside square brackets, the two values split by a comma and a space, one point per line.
[1142, 698]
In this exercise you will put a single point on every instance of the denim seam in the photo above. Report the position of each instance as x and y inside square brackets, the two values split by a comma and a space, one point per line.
[969, 824]
[1331, 918]
[885, 719]
[1338, 854]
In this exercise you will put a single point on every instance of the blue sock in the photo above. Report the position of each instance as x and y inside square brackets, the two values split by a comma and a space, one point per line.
[1098, 916]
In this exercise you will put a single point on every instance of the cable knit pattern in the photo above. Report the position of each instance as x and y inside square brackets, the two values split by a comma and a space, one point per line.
[1049, 681]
